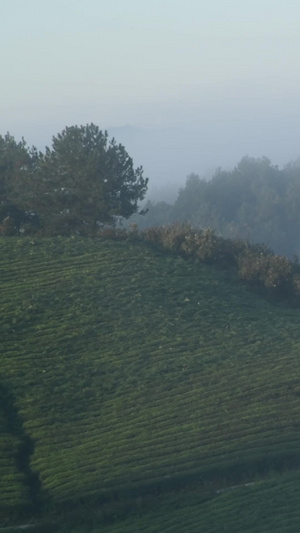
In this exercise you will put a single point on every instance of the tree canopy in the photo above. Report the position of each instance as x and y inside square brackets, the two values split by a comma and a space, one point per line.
[84, 179]
[16, 160]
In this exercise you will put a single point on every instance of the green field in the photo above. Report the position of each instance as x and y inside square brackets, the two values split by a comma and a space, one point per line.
[137, 388]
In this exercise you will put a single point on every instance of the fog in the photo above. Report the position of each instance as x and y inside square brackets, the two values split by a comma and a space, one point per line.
[169, 155]
[186, 86]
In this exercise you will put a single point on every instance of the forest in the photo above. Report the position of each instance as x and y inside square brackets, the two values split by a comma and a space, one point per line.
[85, 181]
[256, 201]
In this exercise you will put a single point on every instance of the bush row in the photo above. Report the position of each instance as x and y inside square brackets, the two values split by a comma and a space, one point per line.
[254, 263]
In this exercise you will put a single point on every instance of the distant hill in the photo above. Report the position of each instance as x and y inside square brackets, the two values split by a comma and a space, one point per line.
[143, 392]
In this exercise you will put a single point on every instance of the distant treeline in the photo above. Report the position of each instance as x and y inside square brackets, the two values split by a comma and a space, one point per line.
[256, 201]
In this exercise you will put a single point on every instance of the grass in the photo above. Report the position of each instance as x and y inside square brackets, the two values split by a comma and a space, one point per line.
[136, 376]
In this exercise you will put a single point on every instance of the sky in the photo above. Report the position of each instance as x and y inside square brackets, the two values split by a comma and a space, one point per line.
[186, 85]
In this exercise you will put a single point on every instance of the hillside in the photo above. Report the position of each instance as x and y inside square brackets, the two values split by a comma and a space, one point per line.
[143, 392]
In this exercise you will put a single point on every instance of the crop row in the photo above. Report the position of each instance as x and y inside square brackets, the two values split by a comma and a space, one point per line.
[271, 506]
[122, 376]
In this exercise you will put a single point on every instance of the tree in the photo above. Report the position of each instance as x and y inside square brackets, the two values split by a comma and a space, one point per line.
[16, 161]
[84, 180]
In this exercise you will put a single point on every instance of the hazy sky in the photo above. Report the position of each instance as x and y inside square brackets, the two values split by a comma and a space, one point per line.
[217, 78]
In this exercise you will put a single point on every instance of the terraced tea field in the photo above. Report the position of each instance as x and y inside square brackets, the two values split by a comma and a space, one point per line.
[137, 387]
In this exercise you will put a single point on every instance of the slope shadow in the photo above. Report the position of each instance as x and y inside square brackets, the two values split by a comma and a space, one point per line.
[14, 425]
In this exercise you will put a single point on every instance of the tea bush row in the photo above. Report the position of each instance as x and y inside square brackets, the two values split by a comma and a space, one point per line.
[172, 372]
[271, 506]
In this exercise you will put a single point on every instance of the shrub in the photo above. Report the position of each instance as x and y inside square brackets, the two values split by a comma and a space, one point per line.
[296, 284]
[110, 232]
[7, 227]
[170, 237]
[270, 270]
[203, 244]
[254, 263]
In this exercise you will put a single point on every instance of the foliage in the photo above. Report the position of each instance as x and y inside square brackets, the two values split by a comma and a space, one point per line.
[256, 264]
[89, 179]
[155, 214]
[256, 201]
[170, 237]
[272, 270]
[16, 161]
[82, 181]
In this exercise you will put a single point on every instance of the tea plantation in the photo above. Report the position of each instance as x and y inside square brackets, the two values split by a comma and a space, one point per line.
[141, 392]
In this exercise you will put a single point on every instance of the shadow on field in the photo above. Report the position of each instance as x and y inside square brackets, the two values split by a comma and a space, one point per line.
[13, 425]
